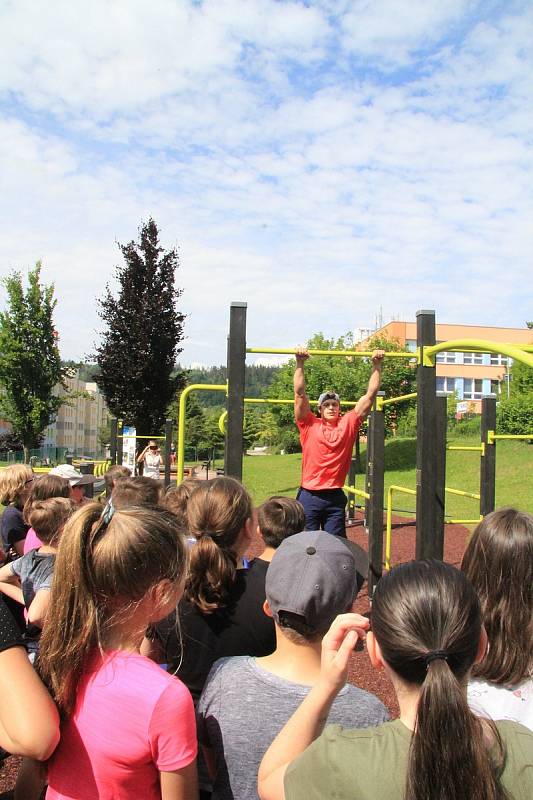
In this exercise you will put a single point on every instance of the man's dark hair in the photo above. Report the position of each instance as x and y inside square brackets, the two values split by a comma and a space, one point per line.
[278, 518]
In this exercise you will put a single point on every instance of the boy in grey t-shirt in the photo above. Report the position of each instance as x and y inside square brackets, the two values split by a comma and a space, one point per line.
[246, 701]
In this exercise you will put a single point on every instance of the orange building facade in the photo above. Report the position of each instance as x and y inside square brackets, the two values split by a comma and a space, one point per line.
[469, 375]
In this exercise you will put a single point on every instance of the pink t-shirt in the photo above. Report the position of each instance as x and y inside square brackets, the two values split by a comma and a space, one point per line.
[132, 721]
[32, 541]
[327, 450]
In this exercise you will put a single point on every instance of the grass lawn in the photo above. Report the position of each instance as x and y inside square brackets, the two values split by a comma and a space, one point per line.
[267, 475]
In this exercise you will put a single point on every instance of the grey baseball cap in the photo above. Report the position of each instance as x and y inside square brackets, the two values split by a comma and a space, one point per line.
[328, 396]
[316, 576]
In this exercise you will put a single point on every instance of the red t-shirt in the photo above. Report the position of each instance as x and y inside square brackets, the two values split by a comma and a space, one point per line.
[132, 721]
[327, 450]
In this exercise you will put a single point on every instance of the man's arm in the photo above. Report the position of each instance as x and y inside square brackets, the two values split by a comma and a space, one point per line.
[364, 405]
[301, 401]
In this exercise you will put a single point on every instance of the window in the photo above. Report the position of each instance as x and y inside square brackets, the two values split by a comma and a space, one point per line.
[472, 388]
[497, 360]
[446, 385]
[446, 358]
[472, 358]
[495, 387]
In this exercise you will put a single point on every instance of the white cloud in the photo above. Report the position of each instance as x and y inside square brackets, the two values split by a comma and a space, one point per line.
[290, 178]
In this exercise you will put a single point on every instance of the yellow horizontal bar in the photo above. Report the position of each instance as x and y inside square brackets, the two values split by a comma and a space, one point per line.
[512, 436]
[277, 401]
[477, 448]
[463, 521]
[461, 493]
[129, 436]
[380, 402]
[355, 353]
[357, 492]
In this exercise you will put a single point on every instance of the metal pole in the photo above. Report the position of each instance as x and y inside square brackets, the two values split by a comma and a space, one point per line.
[440, 473]
[120, 441]
[487, 480]
[236, 376]
[351, 482]
[113, 440]
[376, 471]
[426, 499]
[168, 443]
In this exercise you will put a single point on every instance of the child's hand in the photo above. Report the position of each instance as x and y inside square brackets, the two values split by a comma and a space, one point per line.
[337, 647]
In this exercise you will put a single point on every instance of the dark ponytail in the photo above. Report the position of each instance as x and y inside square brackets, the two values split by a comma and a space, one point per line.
[216, 512]
[427, 620]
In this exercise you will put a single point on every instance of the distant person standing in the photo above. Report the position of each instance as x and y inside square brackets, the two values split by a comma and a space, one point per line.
[150, 457]
[327, 443]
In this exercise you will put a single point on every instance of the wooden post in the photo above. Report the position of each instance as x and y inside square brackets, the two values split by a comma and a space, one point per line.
[236, 377]
[368, 477]
[440, 473]
[487, 481]
[426, 489]
[168, 443]
[376, 472]
[113, 440]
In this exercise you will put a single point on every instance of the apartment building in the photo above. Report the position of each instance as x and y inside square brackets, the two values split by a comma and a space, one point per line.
[469, 375]
[78, 423]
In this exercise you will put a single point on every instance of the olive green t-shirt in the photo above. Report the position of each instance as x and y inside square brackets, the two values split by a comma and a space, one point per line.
[371, 763]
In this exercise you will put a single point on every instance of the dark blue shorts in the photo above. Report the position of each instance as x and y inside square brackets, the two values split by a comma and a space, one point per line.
[324, 510]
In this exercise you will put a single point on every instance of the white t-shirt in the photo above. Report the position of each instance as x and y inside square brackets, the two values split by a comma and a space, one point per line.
[501, 702]
[151, 465]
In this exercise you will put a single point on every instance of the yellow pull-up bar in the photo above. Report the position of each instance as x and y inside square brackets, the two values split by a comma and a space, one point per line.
[345, 353]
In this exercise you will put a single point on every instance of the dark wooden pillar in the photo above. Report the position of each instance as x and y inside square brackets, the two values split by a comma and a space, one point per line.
[426, 489]
[236, 377]
[487, 482]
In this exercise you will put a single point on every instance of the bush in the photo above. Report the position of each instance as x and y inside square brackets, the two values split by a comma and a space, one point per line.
[407, 423]
[467, 426]
[289, 440]
[515, 414]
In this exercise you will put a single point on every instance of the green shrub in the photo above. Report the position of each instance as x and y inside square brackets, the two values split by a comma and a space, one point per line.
[515, 414]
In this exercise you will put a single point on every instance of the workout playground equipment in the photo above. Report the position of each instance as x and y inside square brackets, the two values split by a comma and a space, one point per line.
[431, 433]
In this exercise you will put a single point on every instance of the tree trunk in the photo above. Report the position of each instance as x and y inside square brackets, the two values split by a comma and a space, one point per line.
[26, 454]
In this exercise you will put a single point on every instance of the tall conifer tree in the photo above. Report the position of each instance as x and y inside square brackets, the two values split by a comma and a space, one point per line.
[140, 345]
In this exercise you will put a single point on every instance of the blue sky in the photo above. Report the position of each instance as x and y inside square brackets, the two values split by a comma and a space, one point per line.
[319, 160]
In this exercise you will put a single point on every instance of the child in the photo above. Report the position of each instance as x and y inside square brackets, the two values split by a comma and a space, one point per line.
[499, 563]
[128, 727]
[42, 488]
[113, 474]
[29, 578]
[136, 491]
[222, 611]
[176, 498]
[426, 634]
[239, 689]
[277, 518]
[15, 485]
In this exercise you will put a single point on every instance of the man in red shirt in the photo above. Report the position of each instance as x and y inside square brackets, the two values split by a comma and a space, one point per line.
[327, 443]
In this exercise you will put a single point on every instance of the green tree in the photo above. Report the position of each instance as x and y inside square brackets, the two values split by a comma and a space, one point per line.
[30, 365]
[140, 345]
[346, 375]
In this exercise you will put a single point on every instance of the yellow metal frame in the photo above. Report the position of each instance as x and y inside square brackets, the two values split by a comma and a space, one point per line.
[356, 492]
[478, 448]
[346, 353]
[380, 401]
[475, 345]
[492, 436]
[404, 490]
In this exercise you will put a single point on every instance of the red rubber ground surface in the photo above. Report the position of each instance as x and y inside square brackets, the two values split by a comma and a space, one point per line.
[361, 672]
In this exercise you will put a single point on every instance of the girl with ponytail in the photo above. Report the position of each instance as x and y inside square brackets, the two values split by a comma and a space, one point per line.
[128, 728]
[427, 635]
[221, 613]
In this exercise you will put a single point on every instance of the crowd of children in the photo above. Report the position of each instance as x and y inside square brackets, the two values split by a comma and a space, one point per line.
[176, 669]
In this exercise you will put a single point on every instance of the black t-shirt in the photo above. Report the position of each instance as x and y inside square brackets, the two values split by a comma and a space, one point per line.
[240, 628]
[9, 633]
[13, 527]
